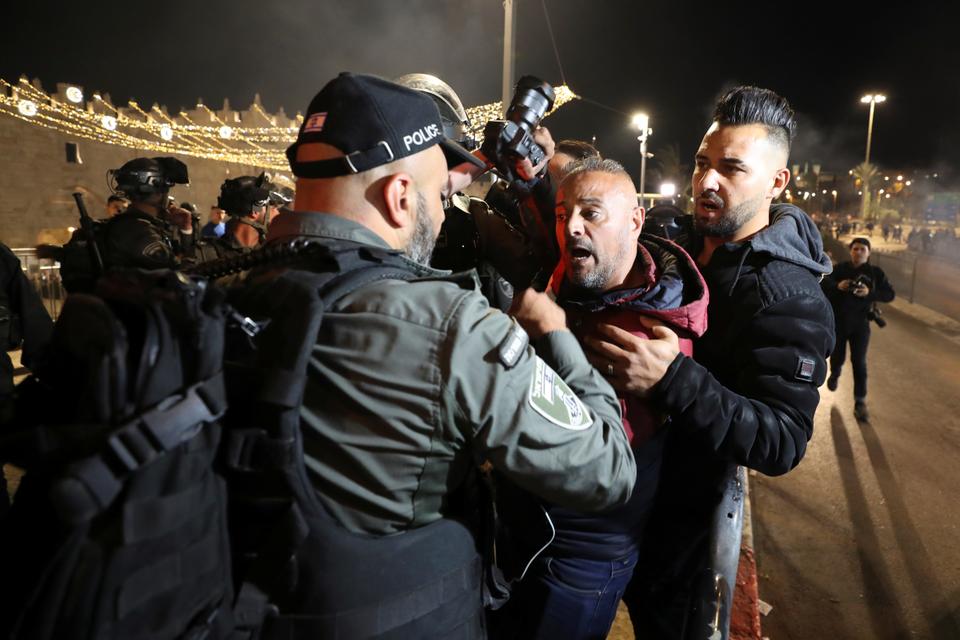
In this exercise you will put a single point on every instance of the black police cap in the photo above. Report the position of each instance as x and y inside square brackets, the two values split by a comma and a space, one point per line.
[373, 122]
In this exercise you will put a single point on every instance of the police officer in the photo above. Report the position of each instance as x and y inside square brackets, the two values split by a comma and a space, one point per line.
[854, 287]
[250, 202]
[151, 233]
[412, 382]
[245, 199]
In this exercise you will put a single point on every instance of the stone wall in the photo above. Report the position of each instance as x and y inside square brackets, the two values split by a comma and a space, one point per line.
[36, 181]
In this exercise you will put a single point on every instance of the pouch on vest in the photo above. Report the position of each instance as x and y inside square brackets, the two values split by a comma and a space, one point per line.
[118, 529]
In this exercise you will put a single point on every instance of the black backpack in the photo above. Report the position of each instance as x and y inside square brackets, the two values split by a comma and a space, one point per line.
[118, 529]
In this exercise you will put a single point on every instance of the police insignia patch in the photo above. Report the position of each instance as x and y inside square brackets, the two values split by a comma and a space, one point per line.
[155, 250]
[554, 400]
[513, 346]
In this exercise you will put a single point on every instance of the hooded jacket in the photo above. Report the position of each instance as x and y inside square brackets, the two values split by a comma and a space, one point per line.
[676, 296]
[749, 397]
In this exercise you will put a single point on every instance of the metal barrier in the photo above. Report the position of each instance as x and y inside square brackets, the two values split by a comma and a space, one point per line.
[920, 278]
[44, 275]
[712, 599]
[923, 279]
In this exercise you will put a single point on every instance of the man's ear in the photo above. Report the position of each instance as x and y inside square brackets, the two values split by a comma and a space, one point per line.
[399, 200]
[780, 181]
[638, 217]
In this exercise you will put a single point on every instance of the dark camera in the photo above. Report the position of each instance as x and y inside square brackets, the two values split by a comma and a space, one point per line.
[860, 282]
[509, 140]
[875, 315]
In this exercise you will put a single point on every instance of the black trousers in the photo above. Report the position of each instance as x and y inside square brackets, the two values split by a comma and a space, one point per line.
[858, 335]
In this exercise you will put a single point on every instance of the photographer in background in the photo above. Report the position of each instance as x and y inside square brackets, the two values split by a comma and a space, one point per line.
[475, 235]
[510, 199]
[853, 289]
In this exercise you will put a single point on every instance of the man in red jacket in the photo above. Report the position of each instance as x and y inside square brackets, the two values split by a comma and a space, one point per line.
[612, 281]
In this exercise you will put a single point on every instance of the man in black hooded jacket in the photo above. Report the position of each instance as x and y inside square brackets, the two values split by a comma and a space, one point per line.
[749, 394]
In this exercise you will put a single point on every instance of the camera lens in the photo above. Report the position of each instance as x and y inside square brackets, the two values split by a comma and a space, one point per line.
[532, 99]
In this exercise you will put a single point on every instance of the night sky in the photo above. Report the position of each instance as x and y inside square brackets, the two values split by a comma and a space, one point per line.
[670, 58]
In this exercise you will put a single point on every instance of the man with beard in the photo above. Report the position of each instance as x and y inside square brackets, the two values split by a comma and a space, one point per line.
[749, 396]
[413, 379]
[613, 282]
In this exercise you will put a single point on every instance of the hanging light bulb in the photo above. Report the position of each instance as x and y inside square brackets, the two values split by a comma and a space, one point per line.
[225, 131]
[166, 132]
[109, 123]
[27, 108]
[74, 95]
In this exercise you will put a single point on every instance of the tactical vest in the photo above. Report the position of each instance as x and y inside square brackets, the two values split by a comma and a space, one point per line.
[314, 578]
[118, 529]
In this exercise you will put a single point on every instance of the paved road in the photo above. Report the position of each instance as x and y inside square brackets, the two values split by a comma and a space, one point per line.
[862, 540]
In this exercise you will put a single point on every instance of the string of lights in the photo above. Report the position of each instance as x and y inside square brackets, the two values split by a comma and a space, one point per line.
[155, 131]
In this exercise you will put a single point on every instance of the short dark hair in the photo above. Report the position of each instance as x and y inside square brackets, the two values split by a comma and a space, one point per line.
[753, 105]
[577, 149]
[116, 198]
[596, 164]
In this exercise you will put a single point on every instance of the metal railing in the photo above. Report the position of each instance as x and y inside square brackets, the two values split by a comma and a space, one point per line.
[44, 275]
[712, 599]
[921, 278]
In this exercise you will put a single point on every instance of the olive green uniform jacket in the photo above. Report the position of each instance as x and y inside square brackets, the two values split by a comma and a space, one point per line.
[412, 383]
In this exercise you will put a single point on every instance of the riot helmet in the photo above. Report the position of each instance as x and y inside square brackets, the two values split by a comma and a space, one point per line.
[456, 124]
[241, 196]
[143, 177]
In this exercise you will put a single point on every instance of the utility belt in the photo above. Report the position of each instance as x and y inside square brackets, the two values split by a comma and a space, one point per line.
[422, 583]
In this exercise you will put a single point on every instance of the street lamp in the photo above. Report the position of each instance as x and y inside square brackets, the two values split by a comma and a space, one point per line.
[873, 100]
[642, 122]
[668, 189]
[834, 192]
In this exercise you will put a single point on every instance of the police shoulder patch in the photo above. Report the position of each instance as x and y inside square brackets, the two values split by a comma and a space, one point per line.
[554, 400]
[156, 250]
[513, 346]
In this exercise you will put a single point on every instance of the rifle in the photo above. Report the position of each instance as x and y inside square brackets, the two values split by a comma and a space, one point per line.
[87, 226]
[273, 254]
